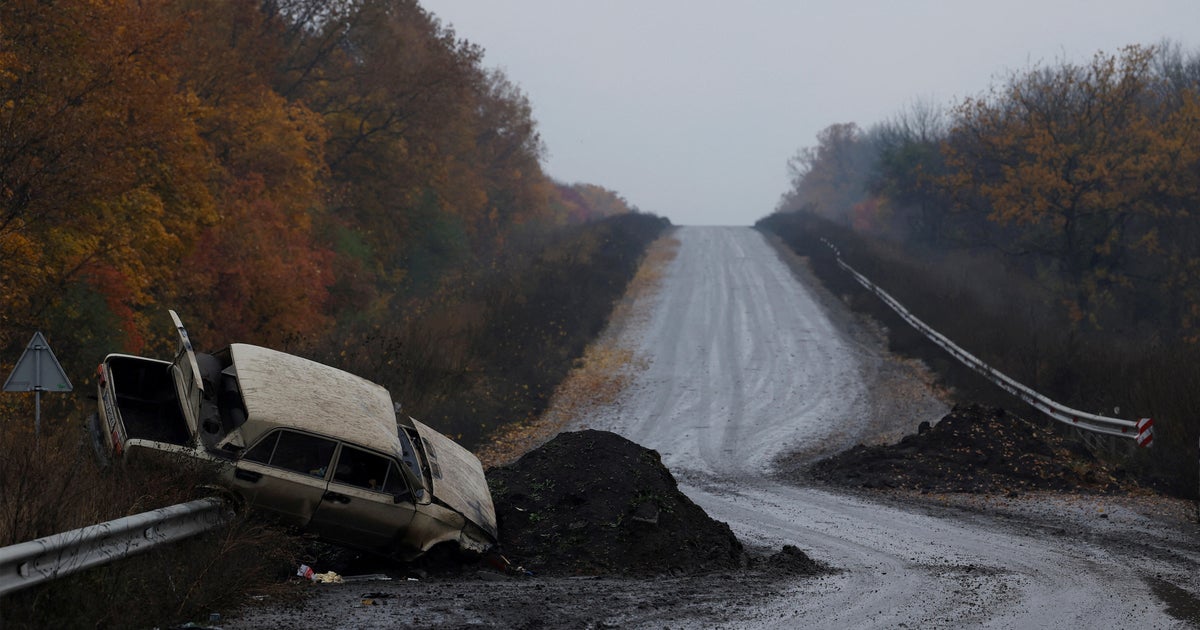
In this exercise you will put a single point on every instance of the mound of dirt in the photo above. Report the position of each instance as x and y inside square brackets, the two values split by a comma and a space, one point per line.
[973, 449]
[791, 561]
[593, 503]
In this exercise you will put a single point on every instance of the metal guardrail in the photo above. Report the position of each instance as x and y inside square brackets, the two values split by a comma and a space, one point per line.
[29, 563]
[1140, 430]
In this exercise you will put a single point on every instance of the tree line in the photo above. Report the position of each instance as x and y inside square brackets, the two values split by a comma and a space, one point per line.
[1048, 225]
[315, 176]
[1084, 177]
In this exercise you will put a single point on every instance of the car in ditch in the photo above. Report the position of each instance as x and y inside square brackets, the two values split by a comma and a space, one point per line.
[311, 445]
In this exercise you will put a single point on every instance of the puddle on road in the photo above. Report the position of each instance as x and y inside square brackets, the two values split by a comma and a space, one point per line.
[1181, 604]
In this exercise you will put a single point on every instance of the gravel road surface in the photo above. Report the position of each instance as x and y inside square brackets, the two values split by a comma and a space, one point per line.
[744, 359]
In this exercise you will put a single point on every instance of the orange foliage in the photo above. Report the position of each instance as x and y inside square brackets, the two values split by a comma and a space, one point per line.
[865, 215]
[580, 202]
[111, 284]
[239, 160]
[256, 275]
[100, 162]
[1084, 162]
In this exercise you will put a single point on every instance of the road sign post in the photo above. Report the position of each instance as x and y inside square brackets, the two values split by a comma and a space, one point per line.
[37, 373]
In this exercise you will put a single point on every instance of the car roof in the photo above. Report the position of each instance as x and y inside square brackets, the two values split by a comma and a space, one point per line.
[284, 390]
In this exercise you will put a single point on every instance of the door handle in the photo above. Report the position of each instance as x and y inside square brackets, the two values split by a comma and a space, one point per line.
[336, 497]
[247, 475]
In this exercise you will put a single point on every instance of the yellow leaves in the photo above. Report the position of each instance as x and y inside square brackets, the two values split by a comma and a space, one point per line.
[20, 259]
[1068, 136]
[260, 135]
[1081, 162]
[1149, 242]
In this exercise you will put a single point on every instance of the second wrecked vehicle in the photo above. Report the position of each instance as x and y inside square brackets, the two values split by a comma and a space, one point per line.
[312, 445]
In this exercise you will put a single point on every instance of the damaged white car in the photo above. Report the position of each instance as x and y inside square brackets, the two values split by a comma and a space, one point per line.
[314, 446]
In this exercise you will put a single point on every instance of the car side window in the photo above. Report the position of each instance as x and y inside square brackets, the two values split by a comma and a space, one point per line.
[299, 452]
[395, 484]
[364, 469]
[262, 451]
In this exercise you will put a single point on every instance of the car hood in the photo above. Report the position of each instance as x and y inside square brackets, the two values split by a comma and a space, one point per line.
[458, 479]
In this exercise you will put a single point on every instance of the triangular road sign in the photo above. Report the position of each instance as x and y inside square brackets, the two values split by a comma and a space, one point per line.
[37, 370]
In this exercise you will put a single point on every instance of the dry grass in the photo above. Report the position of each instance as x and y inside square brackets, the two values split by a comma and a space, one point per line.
[52, 484]
[645, 282]
[598, 377]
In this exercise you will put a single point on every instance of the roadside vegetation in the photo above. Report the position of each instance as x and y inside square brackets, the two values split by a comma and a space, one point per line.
[51, 484]
[344, 181]
[1047, 226]
[475, 361]
[489, 350]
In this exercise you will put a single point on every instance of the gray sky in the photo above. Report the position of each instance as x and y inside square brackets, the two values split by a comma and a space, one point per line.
[690, 109]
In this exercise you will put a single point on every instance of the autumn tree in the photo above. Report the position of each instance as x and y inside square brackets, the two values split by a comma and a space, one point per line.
[830, 178]
[1179, 69]
[508, 152]
[908, 171]
[1076, 158]
[1179, 233]
[277, 171]
[257, 272]
[394, 92]
[581, 202]
[102, 169]
[1176, 236]
[432, 159]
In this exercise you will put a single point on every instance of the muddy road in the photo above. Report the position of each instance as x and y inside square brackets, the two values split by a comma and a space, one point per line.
[743, 359]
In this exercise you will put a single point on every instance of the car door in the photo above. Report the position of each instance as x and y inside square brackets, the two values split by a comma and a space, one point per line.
[367, 503]
[286, 474]
[188, 384]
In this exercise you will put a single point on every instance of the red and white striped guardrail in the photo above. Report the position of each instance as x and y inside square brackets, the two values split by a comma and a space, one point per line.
[1140, 430]
[1145, 432]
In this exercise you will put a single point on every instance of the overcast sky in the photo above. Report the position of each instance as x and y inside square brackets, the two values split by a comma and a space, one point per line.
[690, 109]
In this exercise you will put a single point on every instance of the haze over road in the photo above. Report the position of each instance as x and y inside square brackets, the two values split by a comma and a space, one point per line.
[743, 363]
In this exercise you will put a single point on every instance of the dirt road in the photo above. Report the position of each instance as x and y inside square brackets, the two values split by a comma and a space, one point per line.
[744, 360]
[745, 364]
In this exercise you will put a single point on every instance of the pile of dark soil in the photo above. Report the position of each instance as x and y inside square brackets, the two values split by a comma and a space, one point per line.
[791, 561]
[593, 503]
[973, 449]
